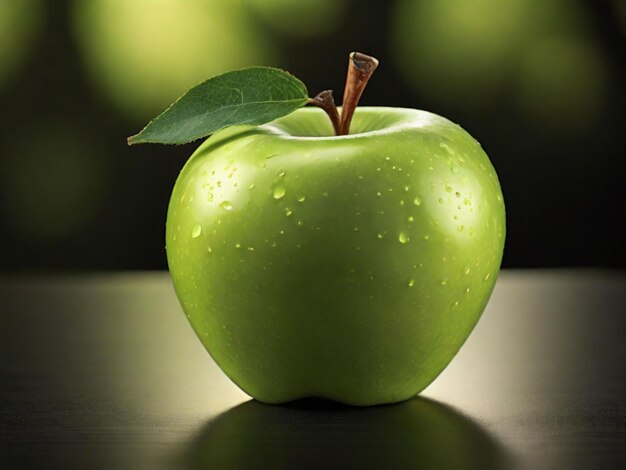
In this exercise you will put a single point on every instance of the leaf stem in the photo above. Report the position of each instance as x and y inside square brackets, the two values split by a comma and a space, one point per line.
[360, 69]
[326, 101]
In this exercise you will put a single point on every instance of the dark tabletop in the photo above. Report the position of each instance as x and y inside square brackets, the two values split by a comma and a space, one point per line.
[103, 371]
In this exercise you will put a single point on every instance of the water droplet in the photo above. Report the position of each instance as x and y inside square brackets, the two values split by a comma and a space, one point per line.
[251, 186]
[237, 245]
[448, 189]
[226, 205]
[196, 231]
[401, 202]
[209, 249]
[387, 158]
[288, 211]
[407, 187]
[444, 282]
[417, 201]
[487, 277]
[380, 236]
[410, 218]
[467, 291]
[441, 201]
[461, 228]
[250, 248]
[411, 282]
[456, 217]
[301, 199]
[281, 174]
[446, 147]
[325, 194]
[426, 237]
[457, 194]
[300, 223]
[455, 304]
[467, 270]
[378, 193]
[403, 237]
[279, 191]
[467, 202]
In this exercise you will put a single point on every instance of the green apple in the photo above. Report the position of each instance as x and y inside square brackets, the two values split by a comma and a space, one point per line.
[349, 267]
[141, 54]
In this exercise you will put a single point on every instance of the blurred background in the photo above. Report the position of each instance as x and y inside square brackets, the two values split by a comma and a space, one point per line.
[539, 82]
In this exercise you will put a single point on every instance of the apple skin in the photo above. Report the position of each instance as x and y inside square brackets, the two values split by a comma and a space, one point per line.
[350, 268]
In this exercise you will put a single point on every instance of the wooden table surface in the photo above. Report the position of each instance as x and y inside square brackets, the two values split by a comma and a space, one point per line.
[103, 371]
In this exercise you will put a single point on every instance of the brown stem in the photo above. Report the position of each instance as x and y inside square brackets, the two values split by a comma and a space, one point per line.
[326, 101]
[360, 69]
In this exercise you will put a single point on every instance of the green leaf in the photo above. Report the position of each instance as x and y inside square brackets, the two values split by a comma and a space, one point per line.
[253, 96]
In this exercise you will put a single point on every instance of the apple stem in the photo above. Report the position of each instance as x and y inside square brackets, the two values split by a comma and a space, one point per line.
[360, 69]
[326, 101]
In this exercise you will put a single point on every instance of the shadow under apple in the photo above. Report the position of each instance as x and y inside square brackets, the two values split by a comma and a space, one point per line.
[418, 433]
